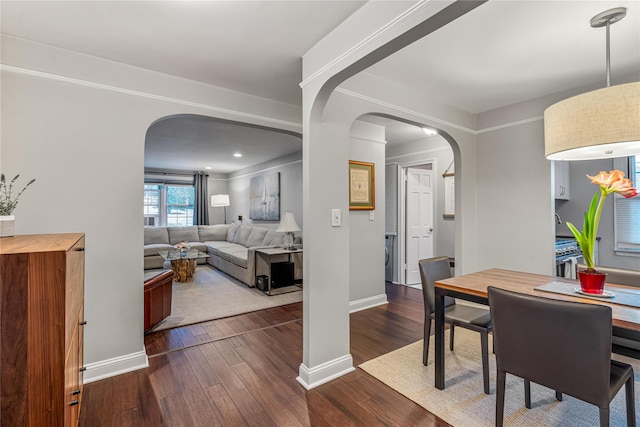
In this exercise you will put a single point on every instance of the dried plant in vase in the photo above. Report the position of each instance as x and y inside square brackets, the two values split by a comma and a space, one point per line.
[9, 200]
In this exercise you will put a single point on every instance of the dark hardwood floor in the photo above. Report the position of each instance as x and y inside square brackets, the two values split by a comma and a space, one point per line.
[241, 371]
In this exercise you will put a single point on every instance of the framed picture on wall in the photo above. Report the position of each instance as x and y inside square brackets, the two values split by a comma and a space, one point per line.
[264, 197]
[361, 186]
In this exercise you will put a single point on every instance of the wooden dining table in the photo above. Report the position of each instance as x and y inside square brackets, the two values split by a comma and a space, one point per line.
[473, 287]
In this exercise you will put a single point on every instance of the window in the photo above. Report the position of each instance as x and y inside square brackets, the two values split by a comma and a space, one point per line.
[627, 211]
[168, 205]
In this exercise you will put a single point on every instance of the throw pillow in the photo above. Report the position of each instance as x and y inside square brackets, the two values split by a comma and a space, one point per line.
[233, 229]
[256, 237]
[242, 236]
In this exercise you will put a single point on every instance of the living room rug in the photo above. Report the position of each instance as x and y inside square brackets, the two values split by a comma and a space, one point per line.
[214, 295]
[463, 402]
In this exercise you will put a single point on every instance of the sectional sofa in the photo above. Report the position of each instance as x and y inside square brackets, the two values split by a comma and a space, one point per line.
[231, 247]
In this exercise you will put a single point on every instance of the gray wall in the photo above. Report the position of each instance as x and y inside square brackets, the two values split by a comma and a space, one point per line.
[217, 184]
[514, 200]
[76, 124]
[290, 169]
[366, 242]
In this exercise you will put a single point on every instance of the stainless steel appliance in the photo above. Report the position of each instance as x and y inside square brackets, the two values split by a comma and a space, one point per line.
[567, 255]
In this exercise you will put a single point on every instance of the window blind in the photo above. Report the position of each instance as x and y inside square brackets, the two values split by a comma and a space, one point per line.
[627, 211]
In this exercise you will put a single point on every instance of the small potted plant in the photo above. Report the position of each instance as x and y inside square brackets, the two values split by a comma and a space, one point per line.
[591, 280]
[8, 202]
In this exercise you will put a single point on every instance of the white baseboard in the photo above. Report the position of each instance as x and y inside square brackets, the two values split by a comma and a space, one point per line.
[363, 304]
[116, 366]
[318, 375]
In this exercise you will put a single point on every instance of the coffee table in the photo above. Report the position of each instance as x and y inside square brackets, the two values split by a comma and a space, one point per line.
[183, 264]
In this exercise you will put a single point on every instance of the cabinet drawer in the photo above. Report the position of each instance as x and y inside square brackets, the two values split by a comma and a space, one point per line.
[72, 385]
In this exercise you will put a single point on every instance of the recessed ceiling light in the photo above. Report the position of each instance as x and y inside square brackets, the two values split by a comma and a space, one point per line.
[430, 132]
[237, 154]
[208, 167]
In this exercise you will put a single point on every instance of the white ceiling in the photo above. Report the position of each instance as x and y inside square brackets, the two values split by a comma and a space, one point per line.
[193, 142]
[501, 53]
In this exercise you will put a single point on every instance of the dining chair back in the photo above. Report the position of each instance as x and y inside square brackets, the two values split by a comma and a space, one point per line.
[469, 317]
[565, 346]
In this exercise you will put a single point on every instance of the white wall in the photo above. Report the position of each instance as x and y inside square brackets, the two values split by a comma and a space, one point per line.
[433, 149]
[77, 124]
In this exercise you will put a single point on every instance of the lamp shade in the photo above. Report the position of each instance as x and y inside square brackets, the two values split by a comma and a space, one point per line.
[603, 123]
[219, 200]
[288, 223]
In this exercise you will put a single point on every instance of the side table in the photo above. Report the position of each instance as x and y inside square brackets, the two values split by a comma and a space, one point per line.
[269, 261]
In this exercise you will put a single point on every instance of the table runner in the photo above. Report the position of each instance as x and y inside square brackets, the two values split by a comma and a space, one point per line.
[623, 296]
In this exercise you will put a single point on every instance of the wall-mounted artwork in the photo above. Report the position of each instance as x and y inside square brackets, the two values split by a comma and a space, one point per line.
[264, 197]
[361, 186]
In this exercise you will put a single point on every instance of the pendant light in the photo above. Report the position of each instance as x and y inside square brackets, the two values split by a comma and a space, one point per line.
[599, 124]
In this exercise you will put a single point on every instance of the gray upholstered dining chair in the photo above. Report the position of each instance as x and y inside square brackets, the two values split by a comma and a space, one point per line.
[563, 345]
[469, 317]
[620, 276]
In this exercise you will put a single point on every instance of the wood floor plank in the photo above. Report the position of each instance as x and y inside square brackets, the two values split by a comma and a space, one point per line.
[241, 371]
[205, 376]
[224, 407]
[127, 418]
[275, 408]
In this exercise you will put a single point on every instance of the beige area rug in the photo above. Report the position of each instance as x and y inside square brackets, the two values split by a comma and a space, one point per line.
[463, 403]
[214, 295]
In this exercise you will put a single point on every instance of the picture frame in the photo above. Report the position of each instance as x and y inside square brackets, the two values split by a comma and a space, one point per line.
[361, 185]
[264, 197]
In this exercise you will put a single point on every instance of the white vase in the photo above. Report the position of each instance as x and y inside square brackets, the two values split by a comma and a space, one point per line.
[7, 225]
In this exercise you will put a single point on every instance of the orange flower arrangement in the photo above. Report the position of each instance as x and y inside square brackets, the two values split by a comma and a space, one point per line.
[612, 182]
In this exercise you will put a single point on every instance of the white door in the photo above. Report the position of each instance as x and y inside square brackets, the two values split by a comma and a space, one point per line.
[419, 236]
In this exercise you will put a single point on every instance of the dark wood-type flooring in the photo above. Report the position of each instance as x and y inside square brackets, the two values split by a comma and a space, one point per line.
[241, 371]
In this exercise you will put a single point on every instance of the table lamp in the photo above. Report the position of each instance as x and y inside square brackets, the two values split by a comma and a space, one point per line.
[288, 225]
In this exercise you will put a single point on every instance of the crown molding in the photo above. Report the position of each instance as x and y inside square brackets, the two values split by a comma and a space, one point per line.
[433, 118]
[110, 88]
[372, 38]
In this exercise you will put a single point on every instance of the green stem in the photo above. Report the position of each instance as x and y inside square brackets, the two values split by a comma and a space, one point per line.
[594, 227]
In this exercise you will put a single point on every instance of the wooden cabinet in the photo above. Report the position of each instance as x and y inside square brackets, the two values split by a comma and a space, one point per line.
[561, 170]
[41, 329]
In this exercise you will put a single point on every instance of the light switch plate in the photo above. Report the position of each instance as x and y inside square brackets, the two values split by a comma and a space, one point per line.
[336, 218]
[372, 215]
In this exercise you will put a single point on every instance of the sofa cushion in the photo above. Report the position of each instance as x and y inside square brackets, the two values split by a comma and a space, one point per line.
[256, 238]
[183, 234]
[154, 248]
[235, 254]
[215, 245]
[153, 235]
[233, 229]
[273, 238]
[212, 232]
[199, 246]
[242, 236]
